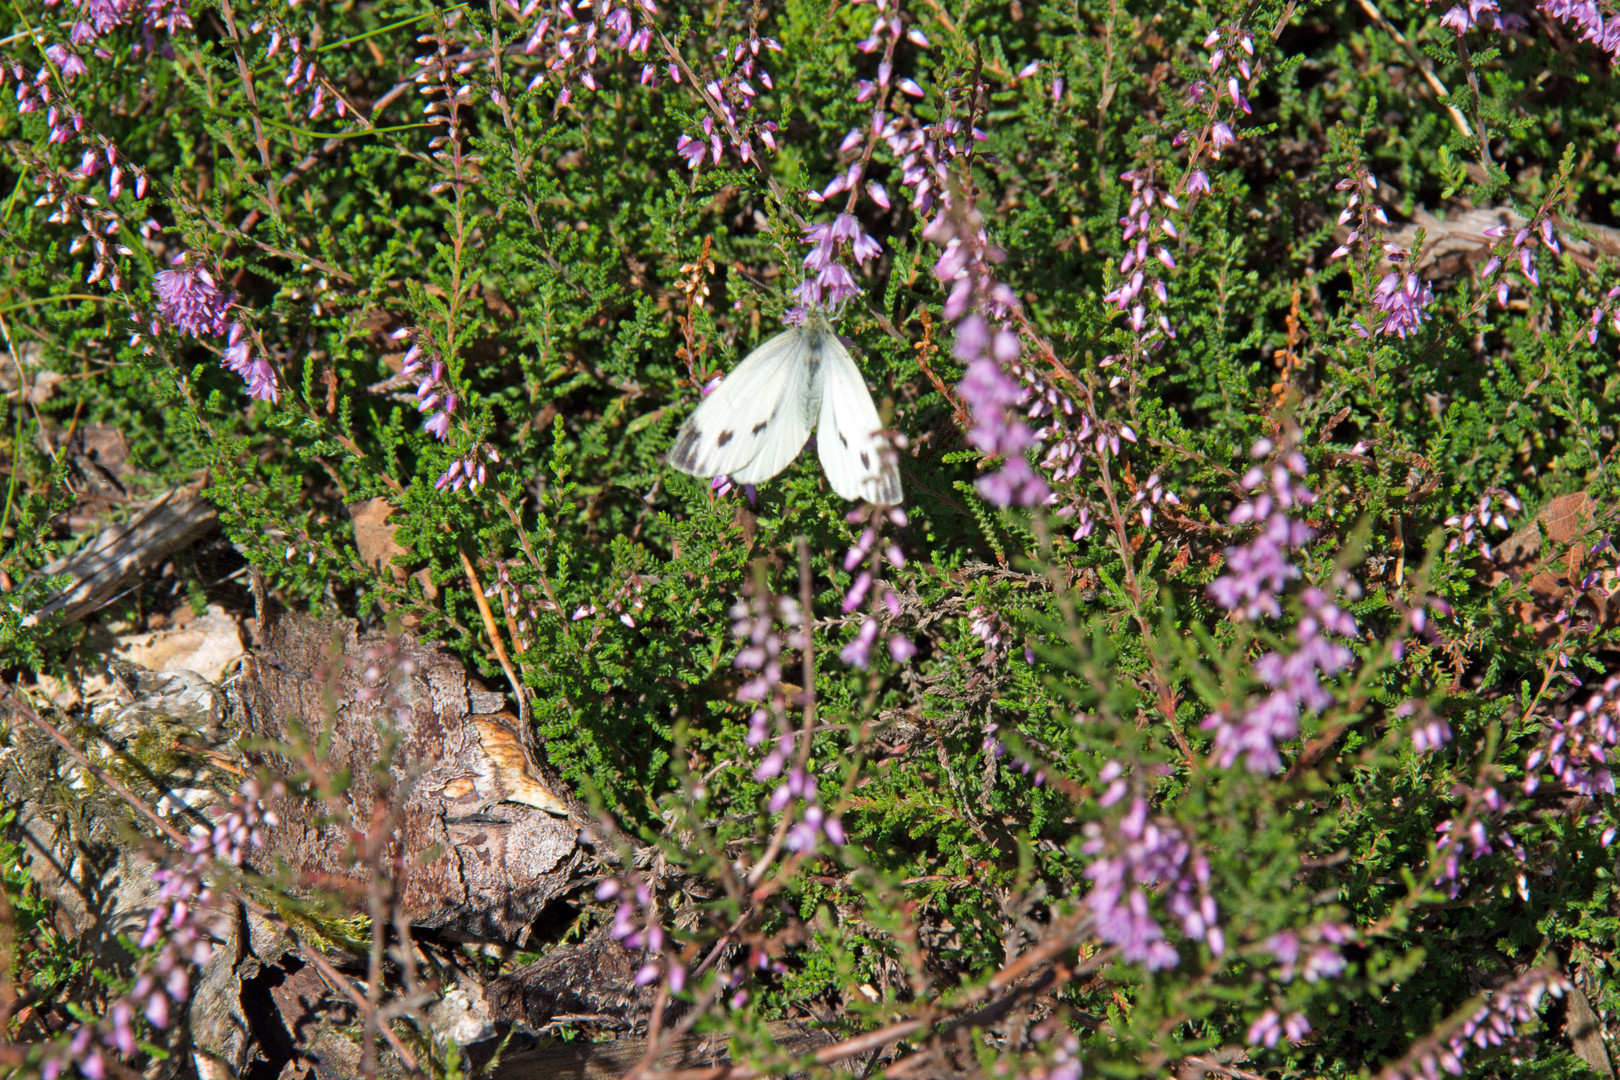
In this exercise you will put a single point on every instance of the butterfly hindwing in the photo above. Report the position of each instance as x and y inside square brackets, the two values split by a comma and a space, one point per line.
[756, 421]
[849, 437]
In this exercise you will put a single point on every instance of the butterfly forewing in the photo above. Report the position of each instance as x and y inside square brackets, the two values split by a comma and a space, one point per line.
[854, 453]
[757, 420]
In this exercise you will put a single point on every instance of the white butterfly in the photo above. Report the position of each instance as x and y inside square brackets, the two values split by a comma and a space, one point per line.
[759, 418]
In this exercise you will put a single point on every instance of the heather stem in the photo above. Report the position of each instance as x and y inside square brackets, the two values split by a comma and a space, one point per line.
[807, 598]
[260, 138]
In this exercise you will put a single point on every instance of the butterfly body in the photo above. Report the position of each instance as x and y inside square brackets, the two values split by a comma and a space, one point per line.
[759, 418]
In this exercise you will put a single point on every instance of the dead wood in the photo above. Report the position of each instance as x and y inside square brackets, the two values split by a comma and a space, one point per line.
[478, 858]
[612, 1060]
[124, 553]
[1456, 243]
[595, 979]
[79, 844]
[474, 854]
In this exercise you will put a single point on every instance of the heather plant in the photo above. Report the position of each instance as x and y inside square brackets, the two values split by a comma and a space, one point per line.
[1198, 713]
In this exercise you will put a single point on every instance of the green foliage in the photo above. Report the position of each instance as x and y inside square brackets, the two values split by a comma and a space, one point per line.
[40, 960]
[580, 284]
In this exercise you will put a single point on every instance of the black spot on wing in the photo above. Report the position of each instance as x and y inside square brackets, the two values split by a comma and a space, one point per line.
[843, 440]
[866, 460]
[683, 456]
[725, 437]
[761, 426]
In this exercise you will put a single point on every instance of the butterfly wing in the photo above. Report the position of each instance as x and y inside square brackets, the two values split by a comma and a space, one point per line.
[854, 453]
[757, 420]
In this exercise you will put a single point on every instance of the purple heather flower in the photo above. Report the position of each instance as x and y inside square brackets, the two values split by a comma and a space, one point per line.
[1520, 251]
[436, 401]
[870, 586]
[1464, 17]
[981, 306]
[1144, 854]
[1259, 571]
[66, 60]
[1496, 1023]
[992, 397]
[1605, 309]
[189, 298]
[1579, 746]
[1431, 735]
[97, 18]
[1232, 47]
[1322, 958]
[1483, 514]
[438, 425]
[1402, 297]
[569, 43]
[637, 926]
[469, 470]
[723, 485]
[1459, 19]
[184, 920]
[1146, 230]
[766, 625]
[1252, 587]
[254, 369]
[813, 824]
[1597, 23]
[1268, 1028]
[733, 94]
[830, 283]
[858, 652]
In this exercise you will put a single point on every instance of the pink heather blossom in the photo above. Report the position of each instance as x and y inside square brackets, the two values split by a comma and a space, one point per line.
[736, 96]
[1520, 255]
[1222, 97]
[1597, 22]
[766, 625]
[185, 918]
[1251, 588]
[870, 587]
[569, 39]
[98, 18]
[828, 282]
[1401, 297]
[1147, 232]
[1143, 854]
[190, 299]
[1579, 746]
[435, 400]
[1314, 952]
[858, 652]
[1484, 513]
[1430, 735]
[470, 470]
[1496, 1023]
[253, 367]
[1464, 17]
[638, 926]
